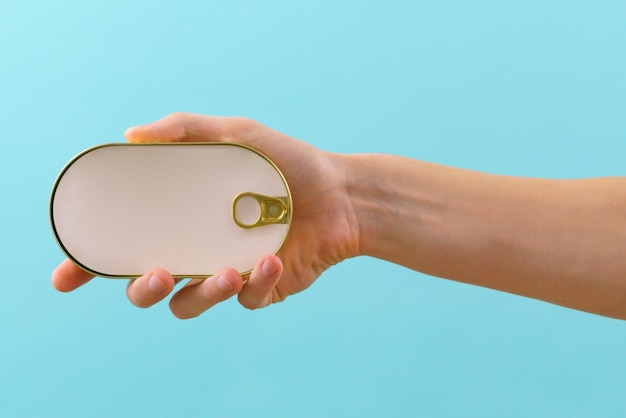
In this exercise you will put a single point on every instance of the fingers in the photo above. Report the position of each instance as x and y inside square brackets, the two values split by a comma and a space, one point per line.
[200, 295]
[260, 289]
[197, 296]
[68, 276]
[150, 288]
[186, 127]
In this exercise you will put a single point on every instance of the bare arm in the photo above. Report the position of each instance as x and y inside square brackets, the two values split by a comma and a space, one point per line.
[561, 241]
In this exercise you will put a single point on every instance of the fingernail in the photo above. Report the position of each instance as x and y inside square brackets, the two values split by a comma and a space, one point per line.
[223, 284]
[155, 284]
[268, 268]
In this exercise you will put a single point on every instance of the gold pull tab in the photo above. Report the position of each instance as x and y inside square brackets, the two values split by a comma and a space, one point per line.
[270, 210]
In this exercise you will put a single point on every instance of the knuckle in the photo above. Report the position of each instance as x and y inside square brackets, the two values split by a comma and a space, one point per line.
[278, 296]
[176, 116]
[239, 127]
[178, 312]
[177, 126]
[257, 301]
[249, 304]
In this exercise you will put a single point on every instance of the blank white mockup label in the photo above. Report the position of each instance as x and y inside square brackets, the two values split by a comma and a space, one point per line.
[120, 210]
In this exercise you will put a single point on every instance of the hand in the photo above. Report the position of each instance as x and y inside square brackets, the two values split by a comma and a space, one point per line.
[324, 230]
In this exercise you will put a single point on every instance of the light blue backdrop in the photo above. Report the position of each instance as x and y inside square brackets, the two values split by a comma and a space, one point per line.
[532, 88]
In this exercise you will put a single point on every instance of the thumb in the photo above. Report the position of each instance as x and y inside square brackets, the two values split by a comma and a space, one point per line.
[181, 127]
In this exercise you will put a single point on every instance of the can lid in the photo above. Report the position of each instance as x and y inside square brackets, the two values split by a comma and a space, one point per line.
[119, 210]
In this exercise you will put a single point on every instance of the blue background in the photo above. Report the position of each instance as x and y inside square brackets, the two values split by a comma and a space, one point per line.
[532, 88]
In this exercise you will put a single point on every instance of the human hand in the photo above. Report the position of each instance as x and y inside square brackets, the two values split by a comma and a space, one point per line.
[323, 232]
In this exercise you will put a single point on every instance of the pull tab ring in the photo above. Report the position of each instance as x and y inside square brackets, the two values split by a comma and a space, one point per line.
[272, 210]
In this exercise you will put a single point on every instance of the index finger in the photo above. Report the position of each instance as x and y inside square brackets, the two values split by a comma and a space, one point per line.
[68, 276]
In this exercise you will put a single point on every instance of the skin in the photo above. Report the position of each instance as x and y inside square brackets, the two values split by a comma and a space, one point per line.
[560, 241]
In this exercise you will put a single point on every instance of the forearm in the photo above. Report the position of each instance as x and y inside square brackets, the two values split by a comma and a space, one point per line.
[562, 241]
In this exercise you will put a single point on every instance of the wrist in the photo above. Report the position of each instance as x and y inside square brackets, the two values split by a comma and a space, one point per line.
[343, 169]
[387, 209]
[402, 208]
